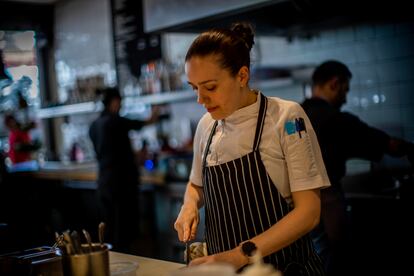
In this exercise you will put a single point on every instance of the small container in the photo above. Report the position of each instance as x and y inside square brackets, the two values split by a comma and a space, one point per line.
[126, 268]
[94, 263]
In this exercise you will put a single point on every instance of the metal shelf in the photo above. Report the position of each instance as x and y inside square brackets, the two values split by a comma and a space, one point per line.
[90, 107]
[167, 97]
[69, 109]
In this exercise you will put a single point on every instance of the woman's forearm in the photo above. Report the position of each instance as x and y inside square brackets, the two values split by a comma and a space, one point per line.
[194, 195]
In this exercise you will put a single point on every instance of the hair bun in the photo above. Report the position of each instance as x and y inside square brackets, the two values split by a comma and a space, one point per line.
[245, 31]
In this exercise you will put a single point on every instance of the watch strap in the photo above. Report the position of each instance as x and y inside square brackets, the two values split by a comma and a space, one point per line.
[248, 248]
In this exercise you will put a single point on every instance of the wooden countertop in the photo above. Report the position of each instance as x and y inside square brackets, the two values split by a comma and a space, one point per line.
[67, 171]
[81, 172]
[146, 266]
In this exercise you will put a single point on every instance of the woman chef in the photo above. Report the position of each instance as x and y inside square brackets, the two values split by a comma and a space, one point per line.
[257, 165]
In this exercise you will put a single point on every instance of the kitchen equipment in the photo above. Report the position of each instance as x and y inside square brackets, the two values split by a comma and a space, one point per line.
[43, 260]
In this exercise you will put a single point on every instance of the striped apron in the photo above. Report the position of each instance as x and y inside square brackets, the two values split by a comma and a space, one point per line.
[241, 202]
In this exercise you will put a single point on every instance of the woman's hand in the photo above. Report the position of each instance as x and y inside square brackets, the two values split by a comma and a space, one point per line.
[187, 222]
[233, 257]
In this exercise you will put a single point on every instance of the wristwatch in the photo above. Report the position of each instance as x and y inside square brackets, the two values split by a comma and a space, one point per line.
[248, 248]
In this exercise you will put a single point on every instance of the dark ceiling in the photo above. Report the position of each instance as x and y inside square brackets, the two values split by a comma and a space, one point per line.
[289, 18]
[27, 16]
[303, 17]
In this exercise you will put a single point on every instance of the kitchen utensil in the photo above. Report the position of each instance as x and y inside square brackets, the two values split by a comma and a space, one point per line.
[68, 243]
[187, 251]
[91, 263]
[76, 242]
[88, 239]
[44, 260]
[101, 231]
[58, 242]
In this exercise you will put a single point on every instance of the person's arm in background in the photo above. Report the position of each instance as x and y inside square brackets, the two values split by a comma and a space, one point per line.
[27, 147]
[156, 115]
[410, 154]
[371, 143]
[29, 126]
[154, 118]
[398, 147]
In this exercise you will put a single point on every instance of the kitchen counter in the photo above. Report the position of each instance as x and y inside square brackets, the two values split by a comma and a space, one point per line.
[80, 172]
[146, 266]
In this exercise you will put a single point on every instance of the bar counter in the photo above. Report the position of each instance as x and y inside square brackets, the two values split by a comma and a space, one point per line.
[52, 170]
[146, 266]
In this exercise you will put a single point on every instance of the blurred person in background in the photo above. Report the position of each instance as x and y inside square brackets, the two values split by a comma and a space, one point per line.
[341, 136]
[118, 171]
[21, 145]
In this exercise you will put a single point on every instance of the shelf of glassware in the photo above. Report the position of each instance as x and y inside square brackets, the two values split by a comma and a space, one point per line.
[91, 106]
[268, 87]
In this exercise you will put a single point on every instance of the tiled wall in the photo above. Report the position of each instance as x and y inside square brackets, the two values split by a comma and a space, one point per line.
[381, 58]
[83, 41]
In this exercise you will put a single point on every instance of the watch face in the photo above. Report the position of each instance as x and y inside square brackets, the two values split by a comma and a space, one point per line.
[248, 248]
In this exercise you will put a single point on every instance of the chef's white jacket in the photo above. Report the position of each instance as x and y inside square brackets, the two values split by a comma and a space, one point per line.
[289, 149]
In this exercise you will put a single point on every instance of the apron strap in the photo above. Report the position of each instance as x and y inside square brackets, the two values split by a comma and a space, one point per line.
[260, 121]
[208, 143]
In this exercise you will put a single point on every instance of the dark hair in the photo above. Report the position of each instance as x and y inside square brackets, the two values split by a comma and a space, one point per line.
[330, 69]
[231, 45]
[8, 118]
[108, 94]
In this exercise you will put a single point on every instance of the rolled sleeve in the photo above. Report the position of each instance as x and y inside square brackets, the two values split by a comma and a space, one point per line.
[305, 165]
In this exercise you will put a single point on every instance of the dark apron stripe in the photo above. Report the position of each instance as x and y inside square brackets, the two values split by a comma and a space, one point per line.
[246, 192]
[242, 203]
[214, 221]
[218, 210]
[208, 213]
[252, 182]
[263, 197]
[233, 195]
[230, 209]
[222, 208]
